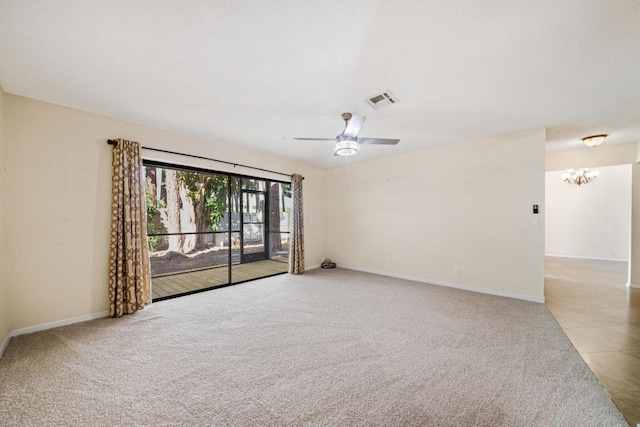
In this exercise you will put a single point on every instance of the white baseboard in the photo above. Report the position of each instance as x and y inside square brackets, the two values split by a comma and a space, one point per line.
[5, 343]
[447, 284]
[57, 323]
[633, 285]
[586, 257]
[50, 325]
[311, 267]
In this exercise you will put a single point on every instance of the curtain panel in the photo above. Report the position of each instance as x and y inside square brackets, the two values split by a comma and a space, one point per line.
[296, 251]
[129, 270]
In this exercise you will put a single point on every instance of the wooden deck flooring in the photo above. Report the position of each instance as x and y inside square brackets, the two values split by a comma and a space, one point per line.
[175, 284]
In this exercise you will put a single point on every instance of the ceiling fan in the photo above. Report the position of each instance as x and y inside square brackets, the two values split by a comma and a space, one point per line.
[348, 143]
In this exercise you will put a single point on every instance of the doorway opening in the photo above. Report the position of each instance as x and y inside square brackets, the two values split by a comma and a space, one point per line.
[587, 248]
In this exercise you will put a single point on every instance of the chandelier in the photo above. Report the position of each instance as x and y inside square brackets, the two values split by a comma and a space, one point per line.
[579, 176]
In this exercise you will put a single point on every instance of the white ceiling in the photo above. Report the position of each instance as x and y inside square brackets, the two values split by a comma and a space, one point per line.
[257, 73]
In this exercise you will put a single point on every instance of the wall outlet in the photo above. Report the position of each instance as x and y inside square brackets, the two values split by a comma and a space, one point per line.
[456, 271]
[387, 260]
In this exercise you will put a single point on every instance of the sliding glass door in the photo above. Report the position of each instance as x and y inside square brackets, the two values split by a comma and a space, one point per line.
[254, 227]
[208, 229]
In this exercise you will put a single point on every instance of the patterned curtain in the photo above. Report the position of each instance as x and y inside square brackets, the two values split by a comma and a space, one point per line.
[129, 272]
[296, 251]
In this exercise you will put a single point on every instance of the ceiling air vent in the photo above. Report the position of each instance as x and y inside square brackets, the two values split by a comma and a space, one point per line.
[381, 100]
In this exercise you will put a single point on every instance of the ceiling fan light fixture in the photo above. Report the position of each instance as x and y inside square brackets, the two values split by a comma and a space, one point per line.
[594, 140]
[345, 148]
[348, 143]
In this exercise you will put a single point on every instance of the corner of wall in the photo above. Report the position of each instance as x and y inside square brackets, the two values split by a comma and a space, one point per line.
[4, 294]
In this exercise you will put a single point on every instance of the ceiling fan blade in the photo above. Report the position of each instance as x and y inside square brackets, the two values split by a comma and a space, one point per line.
[383, 141]
[315, 139]
[354, 125]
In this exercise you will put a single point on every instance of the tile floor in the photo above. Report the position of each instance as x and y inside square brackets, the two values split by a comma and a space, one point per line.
[601, 317]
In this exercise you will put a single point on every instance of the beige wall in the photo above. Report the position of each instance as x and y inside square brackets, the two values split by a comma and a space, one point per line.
[466, 205]
[58, 181]
[4, 304]
[593, 220]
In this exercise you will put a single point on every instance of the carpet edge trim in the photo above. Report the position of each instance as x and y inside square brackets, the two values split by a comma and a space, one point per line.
[58, 323]
[447, 284]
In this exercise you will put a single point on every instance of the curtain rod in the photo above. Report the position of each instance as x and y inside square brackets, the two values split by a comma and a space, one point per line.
[114, 142]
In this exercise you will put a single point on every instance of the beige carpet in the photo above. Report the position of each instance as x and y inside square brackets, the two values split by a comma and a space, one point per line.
[328, 348]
